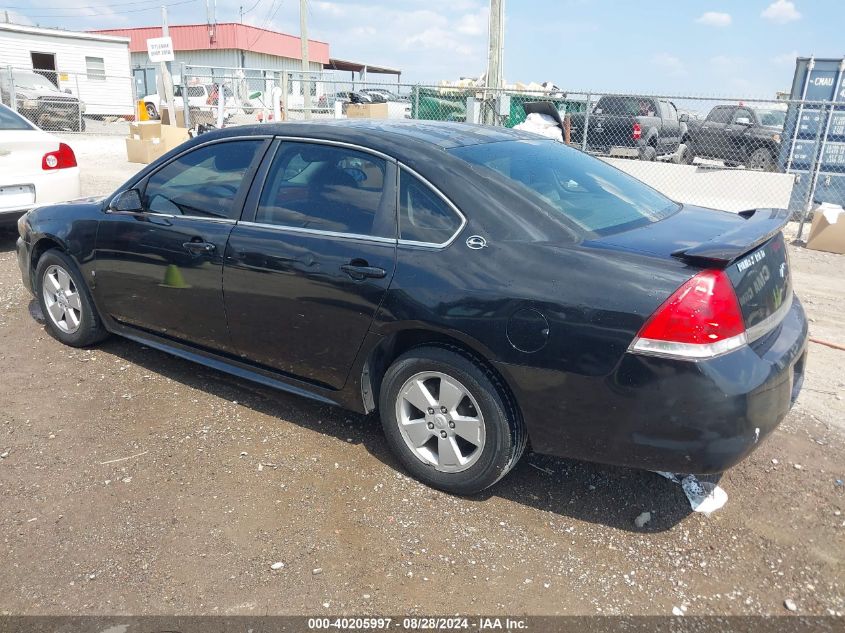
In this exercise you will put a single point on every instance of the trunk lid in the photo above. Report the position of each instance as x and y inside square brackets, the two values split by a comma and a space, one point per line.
[21, 153]
[749, 246]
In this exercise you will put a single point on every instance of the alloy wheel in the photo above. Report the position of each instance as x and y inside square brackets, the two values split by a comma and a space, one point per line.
[440, 421]
[61, 297]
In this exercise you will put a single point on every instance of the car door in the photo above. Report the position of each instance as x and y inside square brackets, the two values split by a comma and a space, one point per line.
[670, 134]
[160, 267]
[736, 133]
[308, 266]
[712, 132]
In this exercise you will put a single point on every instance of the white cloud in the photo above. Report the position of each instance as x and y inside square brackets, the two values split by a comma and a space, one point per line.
[714, 18]
[669, 63]
[473, 23]
[781, 12]
[786, 59]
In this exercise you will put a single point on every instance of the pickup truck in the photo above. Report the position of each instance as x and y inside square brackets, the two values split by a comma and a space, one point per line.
[632, 127]
[738, 135]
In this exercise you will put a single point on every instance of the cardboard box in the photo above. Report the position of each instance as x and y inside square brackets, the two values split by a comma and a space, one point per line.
[180, 117]
[827, 232]
[173, 136]
[145, 130]
[144, 150]
[366, 111]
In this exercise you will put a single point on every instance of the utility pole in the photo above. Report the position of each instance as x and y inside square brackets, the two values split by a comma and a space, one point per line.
[303, 35]
[166, 79]
[242, 14]
[495, 55]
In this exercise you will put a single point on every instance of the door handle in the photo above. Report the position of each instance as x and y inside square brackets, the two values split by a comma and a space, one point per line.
[198, 248]
[359, 272]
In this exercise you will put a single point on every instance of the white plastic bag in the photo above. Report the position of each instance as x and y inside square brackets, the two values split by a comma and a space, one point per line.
[541, 124]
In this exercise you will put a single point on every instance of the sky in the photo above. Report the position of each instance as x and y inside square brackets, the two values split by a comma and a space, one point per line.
[672, 47]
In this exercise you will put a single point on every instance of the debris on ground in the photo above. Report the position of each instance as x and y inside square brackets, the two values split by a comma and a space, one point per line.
[276, 566]
[642, 519]
[790, 604]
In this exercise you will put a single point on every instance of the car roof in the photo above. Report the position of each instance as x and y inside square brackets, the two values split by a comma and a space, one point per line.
[396, 137]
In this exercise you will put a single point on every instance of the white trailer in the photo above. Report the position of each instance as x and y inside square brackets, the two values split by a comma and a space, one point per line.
[94, 68]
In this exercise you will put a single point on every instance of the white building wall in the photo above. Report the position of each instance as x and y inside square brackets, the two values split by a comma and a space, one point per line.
[112, 95]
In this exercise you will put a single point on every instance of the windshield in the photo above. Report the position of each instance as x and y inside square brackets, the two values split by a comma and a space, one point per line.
[33, 81]
[592, 195]
[771, 118]
[11, 121]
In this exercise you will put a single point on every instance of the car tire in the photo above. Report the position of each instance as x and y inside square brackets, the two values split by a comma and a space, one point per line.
[648, 153]
[687, 156]
[151, 111]
[469, 444]
[77, 125]
[761, 160]
[66, 302]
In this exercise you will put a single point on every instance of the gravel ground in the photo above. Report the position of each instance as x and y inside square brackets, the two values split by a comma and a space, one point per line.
[134, 482]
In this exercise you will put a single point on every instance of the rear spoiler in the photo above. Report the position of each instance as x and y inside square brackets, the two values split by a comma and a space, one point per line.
[760, 225]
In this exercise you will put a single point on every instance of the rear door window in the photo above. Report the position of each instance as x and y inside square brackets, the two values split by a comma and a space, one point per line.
[204, 182]
[12, 121]
[720, 115]
[424, 216]
[328, 188]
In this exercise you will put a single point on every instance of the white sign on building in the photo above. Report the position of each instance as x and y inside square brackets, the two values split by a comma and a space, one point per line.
[160, 49]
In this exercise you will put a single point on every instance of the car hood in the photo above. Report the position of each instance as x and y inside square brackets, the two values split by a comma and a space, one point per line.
[689, 227]
[50, 94]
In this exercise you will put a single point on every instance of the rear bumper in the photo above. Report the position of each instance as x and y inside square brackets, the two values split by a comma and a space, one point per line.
[57, 185]
[663, 414]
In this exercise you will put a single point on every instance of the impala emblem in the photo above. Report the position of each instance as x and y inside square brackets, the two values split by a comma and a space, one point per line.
[476, 242]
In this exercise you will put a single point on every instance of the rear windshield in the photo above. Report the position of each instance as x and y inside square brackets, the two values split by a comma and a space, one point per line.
[11, 121]
[590, 194]
[627, 106]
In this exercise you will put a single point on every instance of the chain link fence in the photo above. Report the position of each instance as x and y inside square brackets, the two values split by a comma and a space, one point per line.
[727, 153]
[58, 101]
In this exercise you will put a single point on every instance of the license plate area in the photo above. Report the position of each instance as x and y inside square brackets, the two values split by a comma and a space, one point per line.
[14, 196]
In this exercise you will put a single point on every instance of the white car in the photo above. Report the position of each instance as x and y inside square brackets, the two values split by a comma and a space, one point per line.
[35, 167]
[202, 97]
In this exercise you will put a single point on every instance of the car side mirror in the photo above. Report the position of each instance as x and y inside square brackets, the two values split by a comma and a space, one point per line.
[128, 201]
[684, 118]
[743, 120]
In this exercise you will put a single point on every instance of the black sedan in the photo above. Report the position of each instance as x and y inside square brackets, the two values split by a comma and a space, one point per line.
[479, 287]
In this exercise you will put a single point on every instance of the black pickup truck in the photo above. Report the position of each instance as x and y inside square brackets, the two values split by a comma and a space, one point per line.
[631, 127]
[738, 135]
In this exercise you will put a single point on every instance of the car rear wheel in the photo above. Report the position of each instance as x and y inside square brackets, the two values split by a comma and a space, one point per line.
[151, 111]
[66, 302]
[648, 153]
[687, 156]
[449, 420]
[761, 159]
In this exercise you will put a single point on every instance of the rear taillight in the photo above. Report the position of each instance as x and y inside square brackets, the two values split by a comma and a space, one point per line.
[637, 132]
[62, 158]
[701, 319]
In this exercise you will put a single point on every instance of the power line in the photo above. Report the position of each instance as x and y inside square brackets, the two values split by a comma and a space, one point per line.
[87, 15]
[106, 5]
[266, 22]
[257, 2]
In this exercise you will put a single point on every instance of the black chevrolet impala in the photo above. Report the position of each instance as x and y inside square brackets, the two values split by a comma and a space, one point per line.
[479, 287]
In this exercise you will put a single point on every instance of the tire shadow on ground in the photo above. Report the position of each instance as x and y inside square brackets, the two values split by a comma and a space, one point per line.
[595, 493]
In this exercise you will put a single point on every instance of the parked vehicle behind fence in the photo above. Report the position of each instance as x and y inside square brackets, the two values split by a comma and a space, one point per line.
[631, 127]
[41, 102]
[477, 286]
[738, 135]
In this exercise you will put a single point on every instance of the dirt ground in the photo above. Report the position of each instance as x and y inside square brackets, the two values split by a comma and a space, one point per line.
[137, 483]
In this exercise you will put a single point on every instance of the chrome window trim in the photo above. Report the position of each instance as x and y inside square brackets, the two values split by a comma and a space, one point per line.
[360, 148]
[154, 214]
[766, 325]
[439, 194]
[320, 232]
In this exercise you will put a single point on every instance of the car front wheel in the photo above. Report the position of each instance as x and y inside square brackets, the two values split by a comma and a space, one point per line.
[449, 420]
[66, 302]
